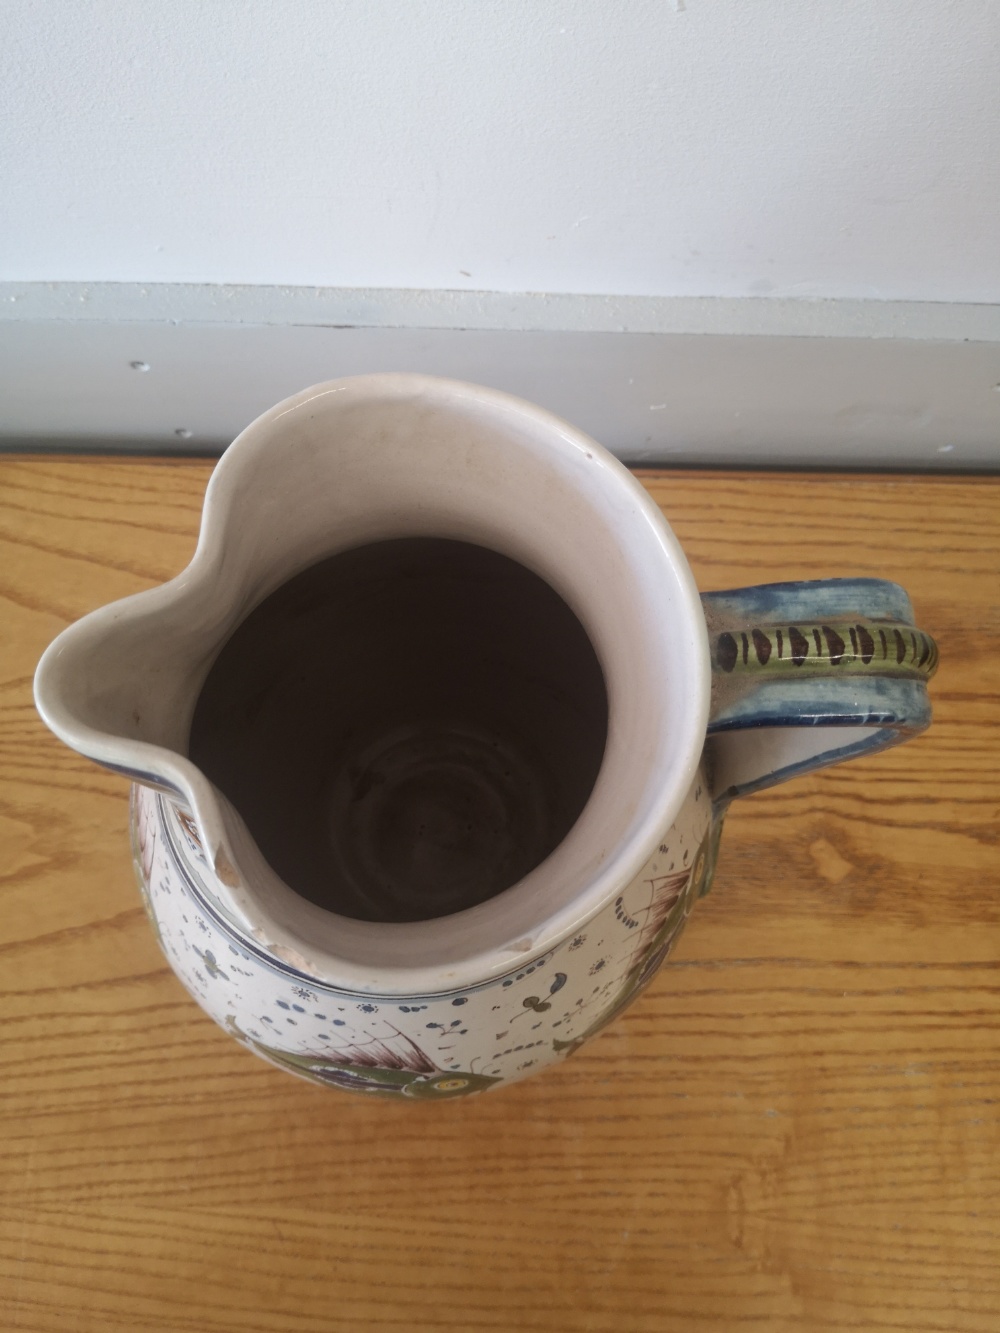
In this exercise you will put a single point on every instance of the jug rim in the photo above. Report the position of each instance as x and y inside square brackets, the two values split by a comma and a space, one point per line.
[667, 628]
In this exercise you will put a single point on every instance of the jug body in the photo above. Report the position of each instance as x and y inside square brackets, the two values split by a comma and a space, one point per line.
[437, 1044]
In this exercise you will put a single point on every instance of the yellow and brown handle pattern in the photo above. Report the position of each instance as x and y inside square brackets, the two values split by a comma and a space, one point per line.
[808, 674]
[882, 648]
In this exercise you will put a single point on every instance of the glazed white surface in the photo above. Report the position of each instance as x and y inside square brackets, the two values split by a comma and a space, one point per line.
[500, 1030]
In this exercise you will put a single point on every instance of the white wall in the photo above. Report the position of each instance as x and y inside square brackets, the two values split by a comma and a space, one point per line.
[722, 147]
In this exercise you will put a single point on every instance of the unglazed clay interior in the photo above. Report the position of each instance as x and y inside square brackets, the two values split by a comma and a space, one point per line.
[408, 728]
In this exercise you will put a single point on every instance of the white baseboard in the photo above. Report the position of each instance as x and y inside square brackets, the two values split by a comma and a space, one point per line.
[658, 380]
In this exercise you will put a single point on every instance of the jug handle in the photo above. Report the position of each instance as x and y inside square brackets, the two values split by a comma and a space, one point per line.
[808, 674]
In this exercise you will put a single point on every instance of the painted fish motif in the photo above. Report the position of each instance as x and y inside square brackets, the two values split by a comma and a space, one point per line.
[375, 1066]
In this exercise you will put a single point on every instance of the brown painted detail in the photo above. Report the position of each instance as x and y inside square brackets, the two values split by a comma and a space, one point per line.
[834, 643]
[799, 644]
[761, 646]
[726, 652]
[844, 646]
[225, 869]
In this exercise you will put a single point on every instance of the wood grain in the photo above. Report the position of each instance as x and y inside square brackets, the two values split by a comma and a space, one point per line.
[796, 1128]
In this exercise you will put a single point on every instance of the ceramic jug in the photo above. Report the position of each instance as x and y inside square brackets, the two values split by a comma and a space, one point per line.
[423, 823]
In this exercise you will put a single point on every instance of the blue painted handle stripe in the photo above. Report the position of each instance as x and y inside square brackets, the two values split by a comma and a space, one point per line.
[885, 696]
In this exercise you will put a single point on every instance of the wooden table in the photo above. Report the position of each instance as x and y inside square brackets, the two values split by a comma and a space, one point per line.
[795, 1128]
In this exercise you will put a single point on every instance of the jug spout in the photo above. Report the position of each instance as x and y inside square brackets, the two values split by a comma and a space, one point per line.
[120, 687]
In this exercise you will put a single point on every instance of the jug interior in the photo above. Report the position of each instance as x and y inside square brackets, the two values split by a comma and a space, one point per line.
[407, 728]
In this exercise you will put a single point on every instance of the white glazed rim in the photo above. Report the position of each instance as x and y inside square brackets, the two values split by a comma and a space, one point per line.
[269, 912]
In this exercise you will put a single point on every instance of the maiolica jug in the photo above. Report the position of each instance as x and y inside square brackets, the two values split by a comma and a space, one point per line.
[432, 741]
